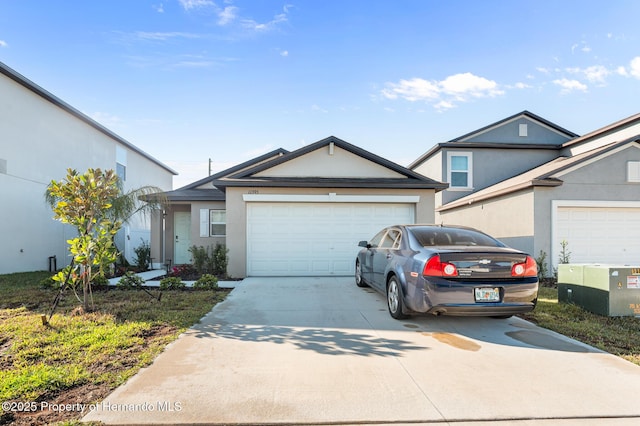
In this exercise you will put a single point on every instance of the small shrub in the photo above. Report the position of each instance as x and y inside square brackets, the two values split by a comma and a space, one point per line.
[200, 256]
[206, 282]
[143, 255]
[220, 259]
[130, 280]
[171, 283]
[543, 269]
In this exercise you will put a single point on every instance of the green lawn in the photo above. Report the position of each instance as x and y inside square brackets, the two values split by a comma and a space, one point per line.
[80, 357]
[617, 335]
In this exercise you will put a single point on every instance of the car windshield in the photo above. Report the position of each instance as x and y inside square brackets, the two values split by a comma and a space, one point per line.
[453, 237]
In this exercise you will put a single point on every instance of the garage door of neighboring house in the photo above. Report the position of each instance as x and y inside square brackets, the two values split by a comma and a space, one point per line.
[314, 239]
[598, 233]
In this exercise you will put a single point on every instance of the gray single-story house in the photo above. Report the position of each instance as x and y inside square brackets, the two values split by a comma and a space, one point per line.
[298, 213]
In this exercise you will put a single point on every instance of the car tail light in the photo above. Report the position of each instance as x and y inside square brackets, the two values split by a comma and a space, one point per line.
[436, 268]
[527, 269]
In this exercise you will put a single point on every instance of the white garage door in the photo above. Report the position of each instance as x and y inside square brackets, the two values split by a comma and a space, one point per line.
[314, 239]
[599, 234]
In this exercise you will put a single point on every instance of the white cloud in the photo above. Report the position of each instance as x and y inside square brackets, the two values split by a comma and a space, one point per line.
[195, 4]
[284, 53]
[317, 108]
[634, 67]
[227, 15]
[416, 89]
[622, 71]
[162, 36]
[445, 93]
[570, 85]
[3, 43]
[543, 70]
[521, 85]
[159, 8]
[595, 74]
[267, 26]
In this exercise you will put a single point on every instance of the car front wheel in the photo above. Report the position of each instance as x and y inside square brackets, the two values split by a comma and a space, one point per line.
[394, 298]
[359, 281]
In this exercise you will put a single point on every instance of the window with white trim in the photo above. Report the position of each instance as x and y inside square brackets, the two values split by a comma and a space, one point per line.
[633, 171]
[213, 223]
[459, 166]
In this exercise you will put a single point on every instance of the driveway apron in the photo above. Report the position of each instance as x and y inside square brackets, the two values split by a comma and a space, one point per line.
[321, 350]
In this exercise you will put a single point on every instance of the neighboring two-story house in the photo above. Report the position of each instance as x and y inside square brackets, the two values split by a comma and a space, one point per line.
[533, 184]
[40, 137]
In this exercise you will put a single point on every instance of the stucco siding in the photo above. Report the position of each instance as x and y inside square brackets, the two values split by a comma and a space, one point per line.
[237, 214]
[39, 141]
[603, 180]
[491, 166]
[330, 162]
[508, 218]
[537, 133]
[433, 168]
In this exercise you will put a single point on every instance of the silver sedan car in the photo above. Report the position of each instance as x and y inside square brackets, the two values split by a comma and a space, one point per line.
[447, 270]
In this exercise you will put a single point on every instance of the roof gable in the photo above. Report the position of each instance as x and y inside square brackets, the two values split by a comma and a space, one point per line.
[505, 134]
[329, 162]
[507, 131]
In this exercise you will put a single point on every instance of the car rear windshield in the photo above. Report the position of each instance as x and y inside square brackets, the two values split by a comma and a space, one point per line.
[453, 237]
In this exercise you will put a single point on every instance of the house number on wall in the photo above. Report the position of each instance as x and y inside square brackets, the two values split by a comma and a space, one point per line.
[253, 191]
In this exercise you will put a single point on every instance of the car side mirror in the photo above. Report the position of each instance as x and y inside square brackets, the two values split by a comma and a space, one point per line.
[364, 244]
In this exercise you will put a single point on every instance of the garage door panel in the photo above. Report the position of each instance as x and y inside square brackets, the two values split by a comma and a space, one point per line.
[599, 234]
[316, 239]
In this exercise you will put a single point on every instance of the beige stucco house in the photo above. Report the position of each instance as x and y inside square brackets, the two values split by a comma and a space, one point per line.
[297, 213]
[40, 137]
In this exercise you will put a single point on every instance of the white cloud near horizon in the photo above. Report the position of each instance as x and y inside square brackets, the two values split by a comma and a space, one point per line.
[3, 43]
[444, 94]
[568, 86]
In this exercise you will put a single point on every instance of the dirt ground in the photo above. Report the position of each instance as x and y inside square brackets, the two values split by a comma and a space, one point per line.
[67, 405]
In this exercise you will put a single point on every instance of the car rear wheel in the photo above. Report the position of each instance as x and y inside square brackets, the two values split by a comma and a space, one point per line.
[394, 298]
[359, 281]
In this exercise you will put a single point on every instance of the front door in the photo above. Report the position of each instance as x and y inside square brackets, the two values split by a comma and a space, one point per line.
[182, 239]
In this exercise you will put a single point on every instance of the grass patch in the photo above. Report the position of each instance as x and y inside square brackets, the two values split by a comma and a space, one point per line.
[80, 357]
[616, 335]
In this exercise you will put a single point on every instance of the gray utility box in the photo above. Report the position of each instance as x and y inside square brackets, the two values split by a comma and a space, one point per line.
[608, 290]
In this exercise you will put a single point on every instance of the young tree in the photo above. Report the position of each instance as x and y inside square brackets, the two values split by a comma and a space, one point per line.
[82, 201]
[96, 206]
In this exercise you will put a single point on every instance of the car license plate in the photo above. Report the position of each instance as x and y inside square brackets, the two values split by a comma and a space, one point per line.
[485, 294]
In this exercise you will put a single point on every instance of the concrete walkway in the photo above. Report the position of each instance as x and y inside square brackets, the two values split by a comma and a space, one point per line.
[322, 351]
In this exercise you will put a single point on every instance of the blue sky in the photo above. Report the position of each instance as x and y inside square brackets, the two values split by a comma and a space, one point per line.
[189, 80]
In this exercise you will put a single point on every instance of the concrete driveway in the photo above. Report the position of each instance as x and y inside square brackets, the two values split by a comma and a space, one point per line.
[322, 351]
